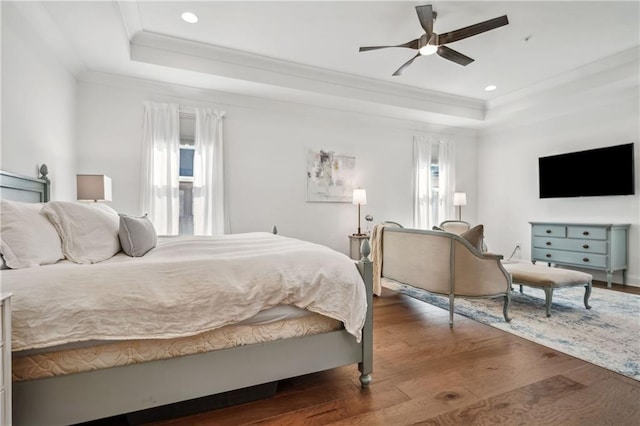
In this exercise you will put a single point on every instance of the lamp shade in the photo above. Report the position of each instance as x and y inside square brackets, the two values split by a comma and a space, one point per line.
[359, 196]
[93, 187]
[459, 199]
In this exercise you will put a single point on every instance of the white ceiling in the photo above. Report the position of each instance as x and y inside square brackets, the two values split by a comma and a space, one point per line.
[251, 42]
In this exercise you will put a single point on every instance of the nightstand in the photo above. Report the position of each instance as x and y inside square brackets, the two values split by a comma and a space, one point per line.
[354, 245]
[5, 359]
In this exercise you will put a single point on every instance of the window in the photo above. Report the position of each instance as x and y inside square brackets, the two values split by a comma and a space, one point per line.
[187, 150]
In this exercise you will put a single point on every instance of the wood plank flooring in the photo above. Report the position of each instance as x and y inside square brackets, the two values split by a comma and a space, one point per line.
[427, 373]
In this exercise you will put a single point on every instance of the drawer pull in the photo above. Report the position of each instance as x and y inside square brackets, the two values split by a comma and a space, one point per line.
[585, 259]
[548, 243]
[548, 255]
[548, 231]
[586, 246]
[585, 233]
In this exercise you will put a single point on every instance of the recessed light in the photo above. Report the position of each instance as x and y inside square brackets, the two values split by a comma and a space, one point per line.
[189, 17]
[490, 88]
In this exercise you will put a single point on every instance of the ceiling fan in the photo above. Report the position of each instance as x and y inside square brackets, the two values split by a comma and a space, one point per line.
[430, 42]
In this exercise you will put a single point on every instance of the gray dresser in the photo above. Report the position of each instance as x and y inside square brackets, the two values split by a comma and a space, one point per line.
[585, 245]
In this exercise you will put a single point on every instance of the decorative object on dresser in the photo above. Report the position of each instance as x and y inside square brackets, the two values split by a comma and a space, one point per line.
[93, 188]
[598, 246]
[5, 359]
[359, 198]
[459, 200]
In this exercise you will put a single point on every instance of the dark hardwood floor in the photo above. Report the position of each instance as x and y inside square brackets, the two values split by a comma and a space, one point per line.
[428, 373]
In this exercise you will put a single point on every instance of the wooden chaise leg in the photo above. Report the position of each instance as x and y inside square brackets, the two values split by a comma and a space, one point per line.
[451, 297]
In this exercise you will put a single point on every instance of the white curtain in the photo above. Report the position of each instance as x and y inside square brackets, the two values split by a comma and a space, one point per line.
[209, 216]
[447, 179]
[433, 193]
[160, 166]
[422, 182]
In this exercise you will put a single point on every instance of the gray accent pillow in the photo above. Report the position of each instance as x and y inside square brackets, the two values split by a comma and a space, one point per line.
[475, 236]
[137, 235]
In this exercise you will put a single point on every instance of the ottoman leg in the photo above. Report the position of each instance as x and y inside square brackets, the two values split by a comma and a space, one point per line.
[548, 296]
[587, 294]
[505, 308]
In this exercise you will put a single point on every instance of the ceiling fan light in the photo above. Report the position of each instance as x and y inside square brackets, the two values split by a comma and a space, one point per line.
[428, 49]
[490, 88]
[189, 17]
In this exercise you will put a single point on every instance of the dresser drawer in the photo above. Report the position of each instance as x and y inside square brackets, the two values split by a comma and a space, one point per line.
[582, 246]
[581, 259]
[587, 232]
[550, 230]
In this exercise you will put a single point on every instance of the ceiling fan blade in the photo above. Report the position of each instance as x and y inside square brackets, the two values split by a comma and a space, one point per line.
[413, 44]
[472, 30]
[405, 65]
[425, 15]
[454, 56]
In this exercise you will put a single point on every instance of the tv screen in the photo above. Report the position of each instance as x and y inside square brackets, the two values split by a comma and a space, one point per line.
[591, 173]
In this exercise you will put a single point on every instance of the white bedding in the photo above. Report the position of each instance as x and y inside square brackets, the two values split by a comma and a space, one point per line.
[183, 287]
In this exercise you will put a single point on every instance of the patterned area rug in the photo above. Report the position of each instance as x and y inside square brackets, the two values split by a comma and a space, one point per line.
[607, 335]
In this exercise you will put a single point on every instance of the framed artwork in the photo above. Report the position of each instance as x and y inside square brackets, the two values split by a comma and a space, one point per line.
[330, 177]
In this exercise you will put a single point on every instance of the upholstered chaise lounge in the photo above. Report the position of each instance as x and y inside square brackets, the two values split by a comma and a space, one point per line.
[438, 262]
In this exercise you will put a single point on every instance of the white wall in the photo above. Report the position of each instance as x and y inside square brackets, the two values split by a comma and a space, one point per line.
[599, 110]
[266, 143]
[38, 107]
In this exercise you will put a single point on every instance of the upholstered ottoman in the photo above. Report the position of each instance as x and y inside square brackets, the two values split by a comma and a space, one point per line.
[548, 279]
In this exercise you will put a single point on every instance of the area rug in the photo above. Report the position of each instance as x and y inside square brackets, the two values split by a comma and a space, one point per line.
[607, 335]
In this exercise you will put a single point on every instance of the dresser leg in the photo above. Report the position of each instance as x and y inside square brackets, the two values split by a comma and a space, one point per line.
[609, 278]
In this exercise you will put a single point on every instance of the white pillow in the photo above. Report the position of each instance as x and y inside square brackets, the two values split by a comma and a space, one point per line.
[27, 238]
[89, 234]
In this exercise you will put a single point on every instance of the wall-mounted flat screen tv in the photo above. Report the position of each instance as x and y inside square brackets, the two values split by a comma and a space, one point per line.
[590, 173]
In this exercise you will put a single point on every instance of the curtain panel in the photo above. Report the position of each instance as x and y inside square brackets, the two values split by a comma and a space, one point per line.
[422, 182]
[433, 181]
[161, 166]
[209, 216]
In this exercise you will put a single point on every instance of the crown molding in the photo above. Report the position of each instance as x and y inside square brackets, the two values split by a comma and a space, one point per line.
[159, 49]
[192, 96]
[607, 75]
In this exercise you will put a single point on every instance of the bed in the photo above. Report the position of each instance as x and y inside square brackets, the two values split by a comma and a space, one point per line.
[319, 311]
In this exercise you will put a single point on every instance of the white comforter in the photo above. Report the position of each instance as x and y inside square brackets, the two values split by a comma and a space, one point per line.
[184, 286]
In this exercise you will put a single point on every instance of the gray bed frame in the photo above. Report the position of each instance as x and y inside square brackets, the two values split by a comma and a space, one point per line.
[103, 393]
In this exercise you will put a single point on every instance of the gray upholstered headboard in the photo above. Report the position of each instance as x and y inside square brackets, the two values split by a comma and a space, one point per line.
[27, 189]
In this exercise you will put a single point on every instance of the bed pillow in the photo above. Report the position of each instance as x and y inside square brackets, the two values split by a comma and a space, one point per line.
[26, 237]
[89, 233]
[137, 235]
[475, 236]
